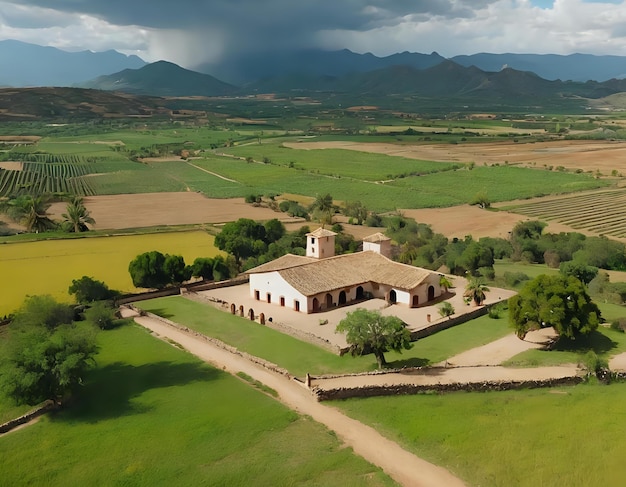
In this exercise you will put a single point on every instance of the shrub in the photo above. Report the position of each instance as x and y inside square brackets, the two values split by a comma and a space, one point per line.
[512, 279]
[619, 324]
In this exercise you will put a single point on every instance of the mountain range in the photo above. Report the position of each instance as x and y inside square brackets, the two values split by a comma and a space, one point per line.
[27, 65]
[523, 78]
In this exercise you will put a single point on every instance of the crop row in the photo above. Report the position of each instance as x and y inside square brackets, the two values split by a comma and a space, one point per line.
[50, 158]
[603, 212]
[13, 183]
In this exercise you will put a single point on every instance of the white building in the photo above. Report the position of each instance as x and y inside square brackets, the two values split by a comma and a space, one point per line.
[322, 281]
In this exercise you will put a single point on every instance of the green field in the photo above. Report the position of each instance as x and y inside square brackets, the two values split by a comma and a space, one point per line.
[300, 357]
[152, 415]
[565, 437]
[48, 267]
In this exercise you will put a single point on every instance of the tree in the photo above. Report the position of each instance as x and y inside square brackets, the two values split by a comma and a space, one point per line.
[43, 310]
[324, 208]
[369, 331]
[146, 270]
[481, 199]
[203, 267]
[446, 309]
[101, 315]
[475, 290]
[87, 290]
[77, 216]
[243, 238]
[45, 358]
[274, 230]
[355, 209]
[585, 273]
[175, 269]
[31, 212]
[445, 282]
[558, 301]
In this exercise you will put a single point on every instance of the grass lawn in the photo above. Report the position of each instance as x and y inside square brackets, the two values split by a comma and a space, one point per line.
[150, 414]
[48, 267]
[300, 357]
[543, 437]
[604, 342]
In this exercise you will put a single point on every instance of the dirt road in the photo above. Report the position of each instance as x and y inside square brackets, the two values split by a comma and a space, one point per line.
[404, 467]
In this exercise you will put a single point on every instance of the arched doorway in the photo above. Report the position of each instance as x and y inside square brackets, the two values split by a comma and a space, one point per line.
[393, 297]
[359, 292]
[431, 293]
[241, 310]
[416, 301]
[233, 309]
[262, 318]
[316, 304]
[342, 297]
[329, 300]
[251, 314]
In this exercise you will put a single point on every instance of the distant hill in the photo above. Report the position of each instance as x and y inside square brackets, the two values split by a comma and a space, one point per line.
[162, 79]
[315, 63]
[26, 64]
[574, 67]
[73, 103]
[252, 68]
[446, 80]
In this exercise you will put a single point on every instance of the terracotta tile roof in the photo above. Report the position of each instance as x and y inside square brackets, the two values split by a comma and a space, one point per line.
[321, 232]
[284, 262]
[318, 276]
[376, 238]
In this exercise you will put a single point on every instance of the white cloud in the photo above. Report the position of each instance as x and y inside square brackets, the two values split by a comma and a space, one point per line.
[502, 26]
[450, 28]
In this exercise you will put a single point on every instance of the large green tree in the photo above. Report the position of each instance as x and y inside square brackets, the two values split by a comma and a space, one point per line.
[87, 289]
[46, 355]
[369, 331]
[243, 238]
[558, 301]
[154, 270]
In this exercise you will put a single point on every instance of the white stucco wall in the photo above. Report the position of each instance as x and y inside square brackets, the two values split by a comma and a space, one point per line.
[273, 283]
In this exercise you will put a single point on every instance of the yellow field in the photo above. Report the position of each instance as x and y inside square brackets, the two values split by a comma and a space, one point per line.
[48, 267]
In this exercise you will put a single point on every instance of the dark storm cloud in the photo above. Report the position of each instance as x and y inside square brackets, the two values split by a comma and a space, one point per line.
[256, 22]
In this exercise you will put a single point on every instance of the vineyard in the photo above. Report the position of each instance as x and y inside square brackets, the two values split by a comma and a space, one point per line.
[602, 212]
[47, 177]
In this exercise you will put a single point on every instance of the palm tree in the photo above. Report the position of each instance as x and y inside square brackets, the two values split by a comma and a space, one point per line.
[445, 282]
[323, 205]
[31, 212]
[475, 290]
[77, 216]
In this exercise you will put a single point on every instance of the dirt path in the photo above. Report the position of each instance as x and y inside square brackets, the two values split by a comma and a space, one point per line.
[459, 375]
[213, 173]
[498, 351]
[404, 467]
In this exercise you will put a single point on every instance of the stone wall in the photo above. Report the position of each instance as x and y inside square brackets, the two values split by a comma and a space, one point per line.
[29, 416]
[449, 323]
[405, 389]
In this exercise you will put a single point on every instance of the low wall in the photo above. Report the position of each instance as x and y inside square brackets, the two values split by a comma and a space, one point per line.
[406, 389]
[449, 323]
[218, 343]
[275, 325]
[173, 291]
[29, 416]
[161, 293]
[207, 286]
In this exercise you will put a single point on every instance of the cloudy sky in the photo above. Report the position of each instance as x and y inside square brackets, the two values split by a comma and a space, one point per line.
[186, 31]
